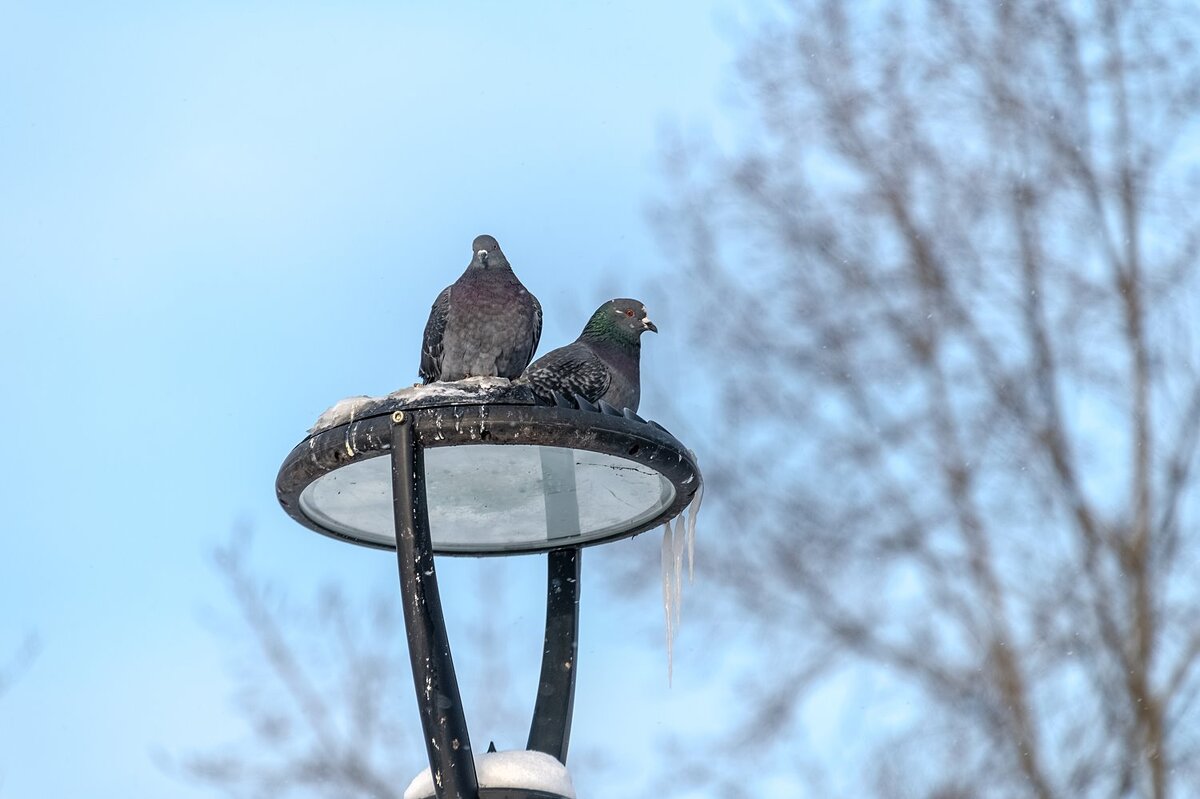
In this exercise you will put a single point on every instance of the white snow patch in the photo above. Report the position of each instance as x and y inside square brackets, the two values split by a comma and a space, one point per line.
[342, 411]
[472, 390]
[534, 771]
[468, 387]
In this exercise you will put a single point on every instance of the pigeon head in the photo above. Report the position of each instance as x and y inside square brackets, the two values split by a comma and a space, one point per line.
[622, 320]
[487, 253]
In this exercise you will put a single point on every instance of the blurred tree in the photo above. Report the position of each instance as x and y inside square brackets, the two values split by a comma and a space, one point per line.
[317, 688]
[19, 661]
[957, 250]
[325, 688]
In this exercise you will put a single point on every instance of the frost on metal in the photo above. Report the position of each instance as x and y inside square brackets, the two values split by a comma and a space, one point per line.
[471, 391]
[531, 771]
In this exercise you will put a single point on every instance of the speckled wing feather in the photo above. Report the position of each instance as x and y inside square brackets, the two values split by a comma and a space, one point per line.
[573, 369]
[537, 330]
[431, 345]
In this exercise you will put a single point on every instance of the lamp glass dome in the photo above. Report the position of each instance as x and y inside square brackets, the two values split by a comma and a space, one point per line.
[487, 498]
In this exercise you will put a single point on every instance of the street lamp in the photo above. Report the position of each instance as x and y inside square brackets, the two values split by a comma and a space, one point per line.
[479, 467]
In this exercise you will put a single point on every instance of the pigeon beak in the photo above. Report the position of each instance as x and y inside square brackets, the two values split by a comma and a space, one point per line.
[646, 323]
[483, 256]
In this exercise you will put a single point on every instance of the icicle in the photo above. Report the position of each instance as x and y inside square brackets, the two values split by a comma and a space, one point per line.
[694, 507]
[677, 541]
[668, 573]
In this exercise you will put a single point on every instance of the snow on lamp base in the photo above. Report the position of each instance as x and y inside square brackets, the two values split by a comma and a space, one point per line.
[519, 773]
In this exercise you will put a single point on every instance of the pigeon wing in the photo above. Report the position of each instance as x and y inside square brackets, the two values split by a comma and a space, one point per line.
[517, 340]
[537, 326]
[431, 345]
[572, 370]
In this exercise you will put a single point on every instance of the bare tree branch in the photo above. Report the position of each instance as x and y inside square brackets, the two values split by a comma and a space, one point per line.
[952, 235]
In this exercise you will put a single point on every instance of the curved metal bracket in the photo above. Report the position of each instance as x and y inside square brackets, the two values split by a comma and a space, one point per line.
[550, 731]
[438, 698]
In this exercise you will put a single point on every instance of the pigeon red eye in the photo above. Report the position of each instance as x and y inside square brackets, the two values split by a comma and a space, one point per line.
[629, 314]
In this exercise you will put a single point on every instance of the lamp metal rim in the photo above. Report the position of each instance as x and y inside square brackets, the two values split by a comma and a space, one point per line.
[508, 422]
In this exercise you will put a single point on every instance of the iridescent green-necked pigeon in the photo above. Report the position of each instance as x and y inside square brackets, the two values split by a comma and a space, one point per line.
[603, 363]
[484, 325]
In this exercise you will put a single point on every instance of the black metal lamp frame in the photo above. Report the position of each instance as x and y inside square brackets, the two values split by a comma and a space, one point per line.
[404, 434]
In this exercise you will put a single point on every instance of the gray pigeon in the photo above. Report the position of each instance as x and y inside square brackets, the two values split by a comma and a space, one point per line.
[603, 363]
[484, 325]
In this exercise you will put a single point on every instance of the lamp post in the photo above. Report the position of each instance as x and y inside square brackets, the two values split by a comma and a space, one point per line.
[480, 468]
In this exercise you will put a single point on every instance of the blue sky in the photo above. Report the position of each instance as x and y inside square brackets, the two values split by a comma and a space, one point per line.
[217, 220]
